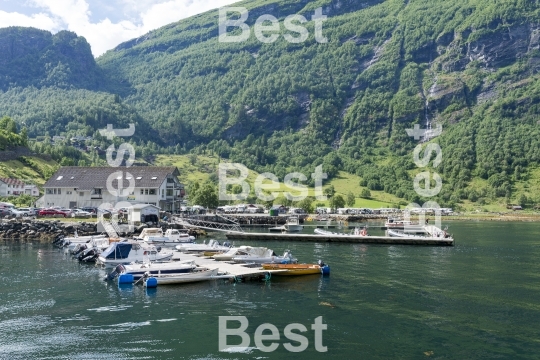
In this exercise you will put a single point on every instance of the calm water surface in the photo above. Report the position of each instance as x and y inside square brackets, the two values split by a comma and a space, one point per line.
[477, 300]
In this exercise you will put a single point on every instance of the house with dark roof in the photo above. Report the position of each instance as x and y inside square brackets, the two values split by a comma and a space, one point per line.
[76, 187]
[16, 187]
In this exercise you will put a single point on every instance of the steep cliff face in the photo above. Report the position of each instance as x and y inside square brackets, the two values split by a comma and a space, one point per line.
[32, 57]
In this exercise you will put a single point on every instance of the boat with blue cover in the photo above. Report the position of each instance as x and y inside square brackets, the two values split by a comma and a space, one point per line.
[126, 252]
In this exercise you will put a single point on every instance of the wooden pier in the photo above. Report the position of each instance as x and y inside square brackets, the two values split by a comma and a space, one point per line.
[383, 240]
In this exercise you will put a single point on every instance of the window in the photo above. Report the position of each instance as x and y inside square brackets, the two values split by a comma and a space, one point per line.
[81, 193]
[60, 177]
[68, 192]
[54, 191]
[139, 177]
[49, 191]
[169, 192]
[59, 191]
[154, 177]
[145, 191]
[152, 192]
[142, 191]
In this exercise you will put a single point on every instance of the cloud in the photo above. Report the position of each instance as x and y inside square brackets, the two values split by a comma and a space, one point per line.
[139, 18]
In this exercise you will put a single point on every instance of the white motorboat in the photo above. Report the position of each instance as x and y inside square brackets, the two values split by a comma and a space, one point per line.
[172, 237]
[356, 232]
[153, 269]
[239, 251]
[99, 242]
[125, 252]
[74, 240]
[203, 274]
[293, 224]
[431, 232]
[213, 245]
[405, 225]
[268, 257]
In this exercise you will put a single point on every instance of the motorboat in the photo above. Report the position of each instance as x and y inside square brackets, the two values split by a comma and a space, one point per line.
[239, 251]
[356, 232]
[125, 252]
[405, 225]
[431, 232]
[171, 237]
[297, 269]
[153, 269]
[268, 257]
[71, 242]
[293, 224]
[201, 274]
[213, 245]
[77, 247]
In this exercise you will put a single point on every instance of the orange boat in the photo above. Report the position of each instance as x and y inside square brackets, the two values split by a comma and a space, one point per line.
[297, 269]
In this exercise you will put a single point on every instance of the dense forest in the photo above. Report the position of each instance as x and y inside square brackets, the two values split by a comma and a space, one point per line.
[470, 66]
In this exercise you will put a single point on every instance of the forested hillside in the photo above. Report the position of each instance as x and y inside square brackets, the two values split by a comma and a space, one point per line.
[471, 66]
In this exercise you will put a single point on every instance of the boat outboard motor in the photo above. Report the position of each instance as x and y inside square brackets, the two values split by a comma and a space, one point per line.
[117, 271]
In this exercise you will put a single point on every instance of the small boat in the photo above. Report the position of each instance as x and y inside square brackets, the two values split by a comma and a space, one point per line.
[213, 245]
[153, 269]
[240, 251]
[268, 257]
[293, 224]
[172, 237]
[401, 224]
[297, 269]
[356, 232]
[430, 233]
[71, 242]
[125, 252]
[99, 242]
[202, 274]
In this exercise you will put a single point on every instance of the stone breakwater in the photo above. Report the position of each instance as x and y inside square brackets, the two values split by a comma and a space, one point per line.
[42, 230]
[49, 230]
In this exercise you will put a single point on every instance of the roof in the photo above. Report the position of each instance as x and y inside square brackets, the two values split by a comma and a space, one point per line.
[88, 178]
[142, 206]
[10, 181]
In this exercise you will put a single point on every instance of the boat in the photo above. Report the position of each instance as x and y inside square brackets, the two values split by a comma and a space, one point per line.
[240, 251]
[99, 242]
[172, 237]
[297, 269]
[125, 252]
[293, 224]
[71, 242]
[203, 274]
[356, 232]
[213, 245]
[152, 269]
[401, 224]
[268, 257]
[431, 232]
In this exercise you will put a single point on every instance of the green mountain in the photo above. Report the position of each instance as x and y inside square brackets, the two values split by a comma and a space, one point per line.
[470, 66]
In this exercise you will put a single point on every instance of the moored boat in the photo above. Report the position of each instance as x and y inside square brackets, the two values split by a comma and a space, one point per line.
[268, 257]
[171, 237]
[125, 252]
[241, 251]
[213, 245]
[297, 269]
[203, 274]
[153, 269]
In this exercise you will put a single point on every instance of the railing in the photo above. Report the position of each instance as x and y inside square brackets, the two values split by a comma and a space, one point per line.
[192, 222]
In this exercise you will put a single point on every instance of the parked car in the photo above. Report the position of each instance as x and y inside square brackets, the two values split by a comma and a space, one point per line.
[80, 213]
[27, 211]
[89, 209]
[4, 212]
[51, 212]
[15, 212]
[65, 211]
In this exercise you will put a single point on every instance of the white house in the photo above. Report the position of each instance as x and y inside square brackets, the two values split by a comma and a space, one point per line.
[75, 186]
[15, 187]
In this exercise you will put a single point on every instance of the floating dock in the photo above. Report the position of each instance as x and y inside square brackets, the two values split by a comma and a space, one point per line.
[383, 240]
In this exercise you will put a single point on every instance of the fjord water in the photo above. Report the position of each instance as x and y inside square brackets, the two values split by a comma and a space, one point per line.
[479, 299]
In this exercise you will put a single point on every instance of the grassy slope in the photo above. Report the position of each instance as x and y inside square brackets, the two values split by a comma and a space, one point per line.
[206, 165]
[38, 173]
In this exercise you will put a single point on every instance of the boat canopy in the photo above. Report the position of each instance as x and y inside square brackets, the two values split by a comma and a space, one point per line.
[117, 251]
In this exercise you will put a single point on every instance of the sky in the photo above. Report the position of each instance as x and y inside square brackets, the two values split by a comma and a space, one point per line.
[104, 23]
